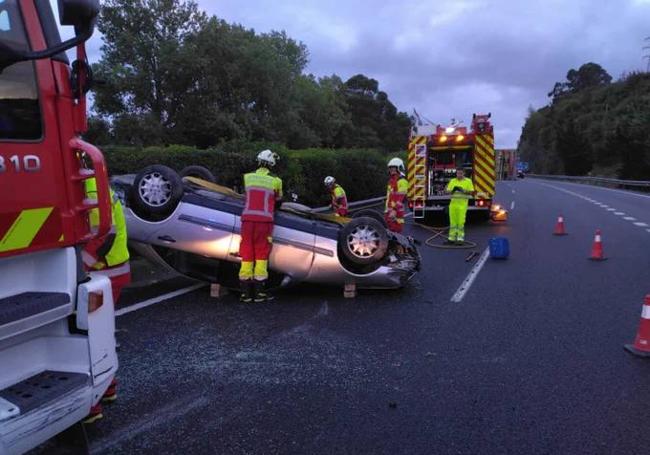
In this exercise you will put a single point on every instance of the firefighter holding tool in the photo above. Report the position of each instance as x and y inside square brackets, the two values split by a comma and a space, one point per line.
[461, 189]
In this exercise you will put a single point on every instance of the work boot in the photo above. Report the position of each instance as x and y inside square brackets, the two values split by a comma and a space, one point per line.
[111, 393]
[94, 415]
[246, 291]
[261, 295]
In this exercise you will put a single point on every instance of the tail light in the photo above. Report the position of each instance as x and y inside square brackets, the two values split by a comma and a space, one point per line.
[95, 301]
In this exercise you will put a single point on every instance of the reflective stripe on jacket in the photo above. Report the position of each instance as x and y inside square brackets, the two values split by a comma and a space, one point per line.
[396, 195]
[112, 249]
[262, 191]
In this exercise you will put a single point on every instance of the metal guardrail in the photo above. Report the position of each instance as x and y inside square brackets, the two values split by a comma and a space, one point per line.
[598, 181]
[356, 205]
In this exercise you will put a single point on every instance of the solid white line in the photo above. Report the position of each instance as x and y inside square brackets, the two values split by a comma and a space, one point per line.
[160, 298]
[465, 285]
[629, 218]
[638, 223]
[512, 205]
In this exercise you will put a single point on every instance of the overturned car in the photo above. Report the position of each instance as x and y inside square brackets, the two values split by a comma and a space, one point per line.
[192, 225]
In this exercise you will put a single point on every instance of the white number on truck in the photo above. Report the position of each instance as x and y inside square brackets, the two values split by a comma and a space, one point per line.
[28, 163]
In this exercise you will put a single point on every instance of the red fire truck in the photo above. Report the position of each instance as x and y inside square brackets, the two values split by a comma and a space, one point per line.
[434, 154]
[57, 342]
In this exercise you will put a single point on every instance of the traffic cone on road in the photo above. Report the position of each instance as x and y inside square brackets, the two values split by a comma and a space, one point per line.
[597, 248]
[641, 346]
[559, 226]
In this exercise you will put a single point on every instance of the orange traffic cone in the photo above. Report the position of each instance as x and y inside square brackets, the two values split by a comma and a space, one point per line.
[641, 346]
[597, 248]
[559, 226]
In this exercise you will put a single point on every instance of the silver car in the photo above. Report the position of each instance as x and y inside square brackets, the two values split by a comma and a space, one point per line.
[193, 226]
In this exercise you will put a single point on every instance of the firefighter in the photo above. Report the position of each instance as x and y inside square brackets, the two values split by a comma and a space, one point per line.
[108, 256]
[396, 195]
[339, 201]
[263, 192]
[461, 189]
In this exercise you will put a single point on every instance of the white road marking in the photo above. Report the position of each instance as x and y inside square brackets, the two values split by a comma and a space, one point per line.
[160, 298]
[629, 218]
[647, 230]
[161, 419]
[619, 213]
[467, 284]
[640, 224]
[611, 210]
[514, 192]
[604, 206]
[512, 205]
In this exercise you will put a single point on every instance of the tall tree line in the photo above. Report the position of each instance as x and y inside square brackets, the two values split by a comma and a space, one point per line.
[591, 126]
[173, 75]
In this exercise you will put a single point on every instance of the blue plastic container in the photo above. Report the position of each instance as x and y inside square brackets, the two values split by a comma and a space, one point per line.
[499, 248]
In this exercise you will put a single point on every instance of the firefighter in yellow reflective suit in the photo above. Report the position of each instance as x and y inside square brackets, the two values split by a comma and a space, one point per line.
[461, 189]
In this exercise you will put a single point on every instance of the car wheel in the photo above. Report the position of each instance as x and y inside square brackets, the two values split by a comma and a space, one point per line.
[156, 192]
[200, 172]
[363, 241]
[370, 213]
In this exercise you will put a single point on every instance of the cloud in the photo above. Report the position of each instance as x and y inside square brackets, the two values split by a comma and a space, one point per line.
[450, 58]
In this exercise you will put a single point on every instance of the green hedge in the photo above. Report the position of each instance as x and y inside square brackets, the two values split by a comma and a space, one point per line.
[361, 172]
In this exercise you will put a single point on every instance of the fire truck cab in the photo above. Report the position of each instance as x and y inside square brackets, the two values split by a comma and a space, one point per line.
[57, 342]
[434, 154]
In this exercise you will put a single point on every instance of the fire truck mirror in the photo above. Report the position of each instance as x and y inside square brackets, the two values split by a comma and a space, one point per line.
[80, 13]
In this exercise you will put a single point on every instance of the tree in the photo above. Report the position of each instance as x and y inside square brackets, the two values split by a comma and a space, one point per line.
[587, 76]
[139, 63]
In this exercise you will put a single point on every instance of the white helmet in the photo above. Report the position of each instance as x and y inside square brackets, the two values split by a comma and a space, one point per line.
[398, 163]
[329, 180]
[267, 157]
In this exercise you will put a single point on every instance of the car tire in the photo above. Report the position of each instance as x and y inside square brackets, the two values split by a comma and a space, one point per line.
[200, 172]
[363, 241]
[370, 213]
[156, 192]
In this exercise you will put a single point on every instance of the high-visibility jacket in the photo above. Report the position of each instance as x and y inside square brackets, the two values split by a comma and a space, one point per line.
[110, 250]
[339, 200]
[262, 191]
[458, 198]
[396, 196]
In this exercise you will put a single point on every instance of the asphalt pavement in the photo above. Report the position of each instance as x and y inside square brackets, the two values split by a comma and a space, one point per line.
[530, 361]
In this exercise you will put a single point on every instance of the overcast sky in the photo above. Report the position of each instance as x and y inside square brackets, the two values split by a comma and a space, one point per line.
[450, 58]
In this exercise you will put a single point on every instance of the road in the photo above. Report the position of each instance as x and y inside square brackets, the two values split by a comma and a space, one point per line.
[530, 360]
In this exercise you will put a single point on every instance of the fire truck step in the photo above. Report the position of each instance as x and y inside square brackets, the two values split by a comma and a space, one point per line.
[28, 304]
[38, 390]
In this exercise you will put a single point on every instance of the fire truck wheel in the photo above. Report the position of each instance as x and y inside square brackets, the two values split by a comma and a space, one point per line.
[200, 172]
[363, 241]
[156, 192]
[370, 213]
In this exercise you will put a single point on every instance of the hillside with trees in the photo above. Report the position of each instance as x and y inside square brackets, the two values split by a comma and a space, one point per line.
[592, 126]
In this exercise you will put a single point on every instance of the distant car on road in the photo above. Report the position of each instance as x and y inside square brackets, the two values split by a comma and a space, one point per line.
[192, 225]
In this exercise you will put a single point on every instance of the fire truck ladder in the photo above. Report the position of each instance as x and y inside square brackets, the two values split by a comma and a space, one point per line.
[419, 199]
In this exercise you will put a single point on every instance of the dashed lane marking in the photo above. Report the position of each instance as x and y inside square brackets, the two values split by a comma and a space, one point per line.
[629, 218]
[512, 205]
[160, 298]
[467, 283]
[611, 210]
[619, 213]
[640, 224]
